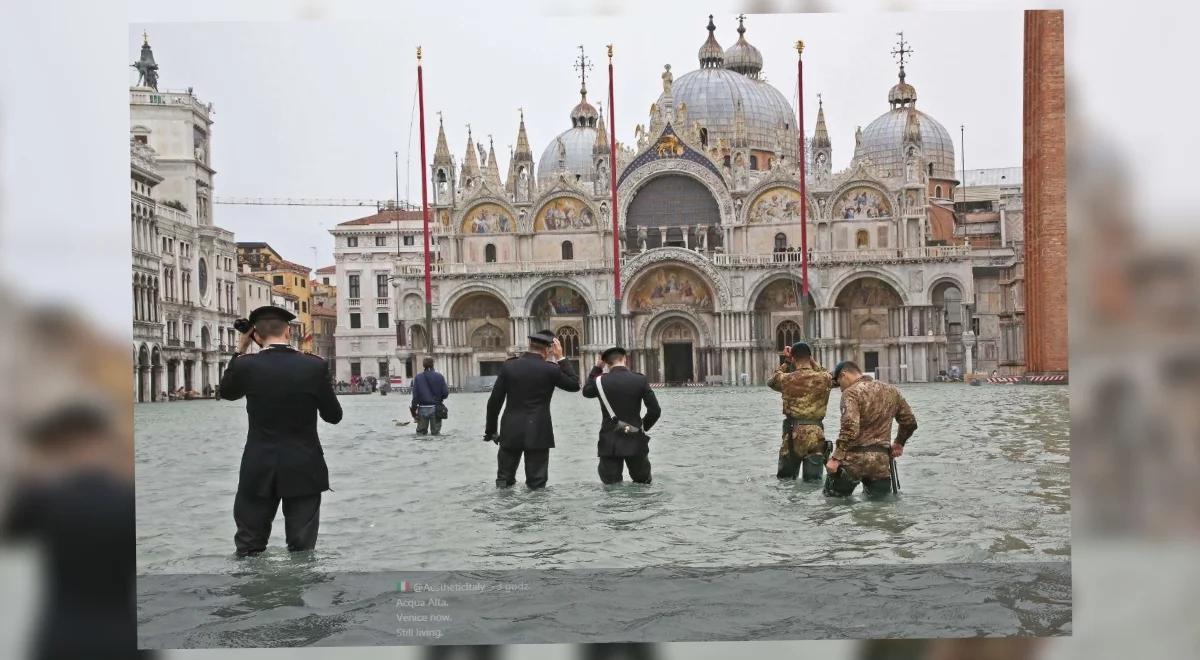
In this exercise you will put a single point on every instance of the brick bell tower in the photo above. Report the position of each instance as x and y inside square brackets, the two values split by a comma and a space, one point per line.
[1045, 181]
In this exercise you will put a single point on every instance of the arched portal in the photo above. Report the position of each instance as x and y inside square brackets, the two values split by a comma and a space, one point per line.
[143, 375]
[950, 320]
[677, 340]
[670, 210]
[782, 300]
[870, 316]
[484, 321]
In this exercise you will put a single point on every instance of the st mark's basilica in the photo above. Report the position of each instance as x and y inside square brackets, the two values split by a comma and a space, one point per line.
[710, 241]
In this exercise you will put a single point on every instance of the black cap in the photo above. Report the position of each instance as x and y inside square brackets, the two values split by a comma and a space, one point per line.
[542, 337]
[608, 353]
[801, 349]
[270, 312]
[837, 370]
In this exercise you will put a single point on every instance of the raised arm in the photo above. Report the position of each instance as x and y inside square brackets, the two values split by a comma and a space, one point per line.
[495, 403]
[567, 379]
[328, 405]
[653, 411]
[232, 386]
[589, 389]
[776, 381]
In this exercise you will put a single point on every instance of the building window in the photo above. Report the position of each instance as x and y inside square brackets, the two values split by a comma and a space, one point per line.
[383, 319]
[930, 169]
[325, 281]
[753, 162]
[355, 369]
[882, 237]
[862, 239]
[277, 280]
[488, 336]
[704, 137]
[569, 338]
[351, 241]
[780, 242]
[408, 240]
[353, 286]
[380, 241]
[355, 320]
[568, 251]
[303, 307]
[489, 253]
[786, 334]
[381, 285]
[937, 192]
[383, 371]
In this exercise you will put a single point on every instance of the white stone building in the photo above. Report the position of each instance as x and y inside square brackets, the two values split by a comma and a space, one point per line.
[147, 263]
[366, 253]
[198, 278]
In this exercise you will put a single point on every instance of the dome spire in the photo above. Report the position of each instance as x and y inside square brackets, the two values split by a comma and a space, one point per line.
[492, 171]
[470, 166]
[712, 56]
[441, 154]
[524, 152]
[902, 94]
[742, 57]
[583, 115]
[601, 145]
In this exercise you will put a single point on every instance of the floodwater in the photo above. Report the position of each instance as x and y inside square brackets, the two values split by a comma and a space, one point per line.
[985, 480]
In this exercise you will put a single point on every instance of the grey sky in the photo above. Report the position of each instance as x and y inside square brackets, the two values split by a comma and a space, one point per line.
[315, 109]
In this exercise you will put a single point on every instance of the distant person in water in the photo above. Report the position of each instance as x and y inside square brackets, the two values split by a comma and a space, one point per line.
[429, 392]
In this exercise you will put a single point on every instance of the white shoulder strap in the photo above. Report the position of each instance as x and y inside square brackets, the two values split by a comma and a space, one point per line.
[604, 399]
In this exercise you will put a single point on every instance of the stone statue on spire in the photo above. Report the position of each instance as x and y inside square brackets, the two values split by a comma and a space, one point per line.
[146, 67]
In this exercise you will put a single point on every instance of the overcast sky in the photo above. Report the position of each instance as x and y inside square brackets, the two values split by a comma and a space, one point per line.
[316, 109]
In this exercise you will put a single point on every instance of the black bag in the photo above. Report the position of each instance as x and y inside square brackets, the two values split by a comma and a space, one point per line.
[442, 411]
[625, 438]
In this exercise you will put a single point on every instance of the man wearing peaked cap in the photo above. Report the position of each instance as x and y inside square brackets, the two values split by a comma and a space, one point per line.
[283, 460]
[623, 441]
[523, 389]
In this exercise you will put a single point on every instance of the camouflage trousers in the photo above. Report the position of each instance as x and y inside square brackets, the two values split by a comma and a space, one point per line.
[872, 468]
[803, 447]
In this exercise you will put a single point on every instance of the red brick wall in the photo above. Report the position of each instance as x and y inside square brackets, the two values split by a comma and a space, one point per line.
[1045, 164]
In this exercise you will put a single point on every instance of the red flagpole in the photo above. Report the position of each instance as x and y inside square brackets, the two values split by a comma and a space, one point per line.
[425, 209]
[612, 159]
[803, 177]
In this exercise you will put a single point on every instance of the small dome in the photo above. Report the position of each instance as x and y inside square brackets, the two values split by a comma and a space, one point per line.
[711, 55]
[575, 153]
[743, 57]
[902, 93]
[583, 114]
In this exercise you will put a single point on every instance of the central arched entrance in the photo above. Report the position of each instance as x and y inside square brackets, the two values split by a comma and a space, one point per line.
[677, 339]
[670, 305]
[487, 329]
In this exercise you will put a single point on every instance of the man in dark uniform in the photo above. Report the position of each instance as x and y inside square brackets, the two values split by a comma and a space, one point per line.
[624, 392]
[865, 448]
[283, 460]
[523, 389]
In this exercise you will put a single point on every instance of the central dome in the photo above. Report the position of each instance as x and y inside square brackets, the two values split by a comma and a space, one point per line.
[713, 91]
[573, 148]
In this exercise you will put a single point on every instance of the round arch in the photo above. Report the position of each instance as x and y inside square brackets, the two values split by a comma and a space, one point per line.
[564, 210]
[458, 224]
[545, 285]
[781, 276]
[836, 195]
[850, 277]
[636, 268]
[633, 183]
[943, 279]
[766, 186]
[656, 323]
[678, 284]
[477, 287]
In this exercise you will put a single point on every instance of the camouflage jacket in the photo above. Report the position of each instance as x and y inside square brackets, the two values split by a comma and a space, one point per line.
[805, 390]
[868, 408]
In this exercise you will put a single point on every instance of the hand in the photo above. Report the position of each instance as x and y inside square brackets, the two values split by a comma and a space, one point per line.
[556, 351]
[897, 450]
[600, 364]
[491, 437]
[832, 465]
[244, 341]
[787, 353]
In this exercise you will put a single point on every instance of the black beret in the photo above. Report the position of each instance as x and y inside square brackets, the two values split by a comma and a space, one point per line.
[542, 337]
[270, 312]
[610, 352]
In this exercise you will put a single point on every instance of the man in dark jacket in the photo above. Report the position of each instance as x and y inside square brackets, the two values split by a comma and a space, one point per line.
[625, 391]
[523, 389]
[283, 460]
[429, 390]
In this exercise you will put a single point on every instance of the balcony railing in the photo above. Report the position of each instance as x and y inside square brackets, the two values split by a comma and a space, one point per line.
[383, 303]
[165, 212]
[354, 302]
[173, 342]
[189, 344]
[556, 266]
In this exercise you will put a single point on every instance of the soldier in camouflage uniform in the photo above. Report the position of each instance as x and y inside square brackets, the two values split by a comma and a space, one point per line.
[805, 386]
[864, 448]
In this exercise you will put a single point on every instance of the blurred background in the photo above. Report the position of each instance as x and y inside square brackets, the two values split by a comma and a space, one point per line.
[66, 435]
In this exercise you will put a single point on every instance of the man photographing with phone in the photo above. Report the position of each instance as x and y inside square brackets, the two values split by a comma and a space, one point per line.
[285, 390]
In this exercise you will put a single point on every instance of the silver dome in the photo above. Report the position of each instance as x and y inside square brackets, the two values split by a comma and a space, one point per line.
[577, 143]
[883, 143]
[711, 95]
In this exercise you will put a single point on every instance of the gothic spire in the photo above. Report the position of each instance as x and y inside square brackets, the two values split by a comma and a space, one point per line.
[470, 166]
[601, 145]
[441, 154]
[821, 135]
[523, 152]
[492, 173]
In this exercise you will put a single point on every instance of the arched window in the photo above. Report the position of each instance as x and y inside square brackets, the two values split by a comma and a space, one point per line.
[787, 334]
[726, 161]
[862, 239]
[489, 253]
[569, 338]
[937, 192]
[930, 168]
[780, 242]
[568, 251]
[704, 137]
[753, 162]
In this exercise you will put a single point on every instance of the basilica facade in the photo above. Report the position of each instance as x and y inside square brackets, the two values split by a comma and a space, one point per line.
[709, 234]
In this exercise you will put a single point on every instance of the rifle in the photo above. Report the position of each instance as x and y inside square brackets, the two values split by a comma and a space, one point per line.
[895, 476]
